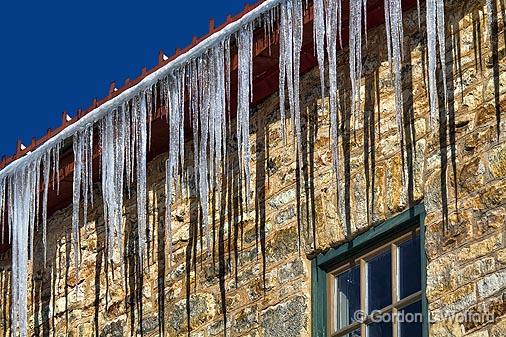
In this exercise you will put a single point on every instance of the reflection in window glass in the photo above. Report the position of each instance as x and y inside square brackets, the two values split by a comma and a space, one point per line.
[347, 296]
[409, 267]
[379, 282]
[410, 321]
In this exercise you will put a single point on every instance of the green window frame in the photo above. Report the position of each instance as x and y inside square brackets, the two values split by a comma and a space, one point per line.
[323, 265]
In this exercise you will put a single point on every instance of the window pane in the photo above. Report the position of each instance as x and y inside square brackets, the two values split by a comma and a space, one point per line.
[347, 296]
[379, 281]
[410, 277]
[410, 321]
[382, 329]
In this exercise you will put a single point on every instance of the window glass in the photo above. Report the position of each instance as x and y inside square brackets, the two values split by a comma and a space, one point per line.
[382, 329]
[379, 281]
[409, 267]
[410, 321]
[348, 296]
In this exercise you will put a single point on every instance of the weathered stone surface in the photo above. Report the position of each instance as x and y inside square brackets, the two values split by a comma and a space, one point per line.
[286, 319]
[492, 283]
[282, 245]
[474, 271]
[499, 329]
[458, 300]
[202, 308]
[439, 276]
[480, 248]
[114, 329]
[245, 320]
[497, 161]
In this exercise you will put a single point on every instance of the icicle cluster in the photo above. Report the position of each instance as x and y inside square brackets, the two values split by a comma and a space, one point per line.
[291, 29]
[22, 206]
[124, 133]
[139, 116]
[435, 21]
[82, 185]
[20, 199]
[198, 83]
[174, 165]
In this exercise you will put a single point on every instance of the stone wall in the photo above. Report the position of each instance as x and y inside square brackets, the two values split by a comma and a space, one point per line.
[256, 281]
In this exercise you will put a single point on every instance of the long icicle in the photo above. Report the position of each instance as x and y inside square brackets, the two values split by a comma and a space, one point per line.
[141, 135]
[319, 41]
[79, 163]
[203, 168]
[441, 34]
[395, 36]
[245, 56]
[431, 24]
[355, 47]
[46, 173]
[332, 22]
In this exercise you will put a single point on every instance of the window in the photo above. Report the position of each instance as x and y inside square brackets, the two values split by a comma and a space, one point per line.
[373, 286]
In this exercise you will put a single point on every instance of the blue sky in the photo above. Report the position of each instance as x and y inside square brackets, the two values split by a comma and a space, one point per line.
[58, 55]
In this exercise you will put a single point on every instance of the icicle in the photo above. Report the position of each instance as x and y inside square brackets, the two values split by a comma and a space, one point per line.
[218, 112]
[489, 5]
[395, 36]
[22, 217]
[355, 46]
[290, 45]
[203, 168]
[149, 104]
[435, 22]
[87, 170]
[78, 167]
[176, 143]
[283, 42]
[181, 87]
[126, 111]
[319, 41]
[338, 3]
[332, 20]
[115, 129]
[364, 2]
[141, 135]
[56, 165]
[90, 164]
[298, 24]
[441, 32]
[46, 172]
[194, 106]
[82, 186]
[245, 58]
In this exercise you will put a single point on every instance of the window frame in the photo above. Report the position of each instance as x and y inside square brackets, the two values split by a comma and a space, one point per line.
[377, 238]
